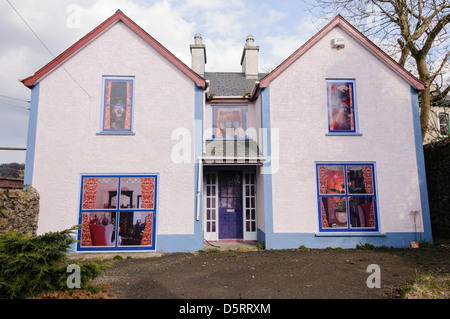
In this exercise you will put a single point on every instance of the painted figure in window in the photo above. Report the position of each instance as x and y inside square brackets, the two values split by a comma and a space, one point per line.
[340, 95]
[340, 105]
[229, 122]
[117, 114]
[118, 105]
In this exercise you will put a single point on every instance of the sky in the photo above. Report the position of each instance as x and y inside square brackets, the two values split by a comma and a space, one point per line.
[33, 32]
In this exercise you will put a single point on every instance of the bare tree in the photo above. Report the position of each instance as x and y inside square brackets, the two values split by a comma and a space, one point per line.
[413, 32]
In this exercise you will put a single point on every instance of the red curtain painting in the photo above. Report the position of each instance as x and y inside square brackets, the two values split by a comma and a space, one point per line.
[148, 202]
[128, 107]
[323, 187]
[368, 184]
[89, 196]
[107, 117]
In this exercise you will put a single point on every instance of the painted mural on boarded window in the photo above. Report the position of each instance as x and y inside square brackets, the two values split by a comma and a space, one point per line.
[230, 122]
[118, 211]
[341, 106]
[117, 104]
[346, 196]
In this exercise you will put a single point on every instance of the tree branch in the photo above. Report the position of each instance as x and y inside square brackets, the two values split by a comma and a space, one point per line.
[434, 33]
[444, 61]
[441, 95]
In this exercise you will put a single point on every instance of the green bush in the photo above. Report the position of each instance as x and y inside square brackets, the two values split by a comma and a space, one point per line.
[32, 265]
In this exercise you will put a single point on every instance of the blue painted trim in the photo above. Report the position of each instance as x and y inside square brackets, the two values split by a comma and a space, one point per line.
[427, 234]
[31, 135]
[260, 235]
[117, 210]
[318, 241]
[266, 169]
[197, 241]
[180, 243]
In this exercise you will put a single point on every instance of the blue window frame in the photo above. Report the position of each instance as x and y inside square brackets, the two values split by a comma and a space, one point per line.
[117, 105]
[341, 105]
[347, 199]
[117, 212]
[229, 122]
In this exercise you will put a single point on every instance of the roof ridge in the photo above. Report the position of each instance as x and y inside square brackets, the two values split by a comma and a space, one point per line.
[116, 17]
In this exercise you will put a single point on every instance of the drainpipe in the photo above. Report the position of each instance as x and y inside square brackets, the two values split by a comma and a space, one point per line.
[200, 160]
[204, 108]
[199, 184]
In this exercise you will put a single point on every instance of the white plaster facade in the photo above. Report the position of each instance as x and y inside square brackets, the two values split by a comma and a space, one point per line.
[301, 118]
[69, 121]
[289, 105]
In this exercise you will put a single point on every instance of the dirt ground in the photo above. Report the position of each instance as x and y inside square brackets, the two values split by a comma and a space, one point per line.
[273, 274]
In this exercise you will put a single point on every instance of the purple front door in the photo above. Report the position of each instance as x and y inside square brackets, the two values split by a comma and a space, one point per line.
[230, 205]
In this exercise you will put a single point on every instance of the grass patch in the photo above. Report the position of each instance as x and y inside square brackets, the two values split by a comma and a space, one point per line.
[427, 286]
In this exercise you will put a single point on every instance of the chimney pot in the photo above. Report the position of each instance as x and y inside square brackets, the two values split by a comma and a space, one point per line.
[249, 40]
[198, 38]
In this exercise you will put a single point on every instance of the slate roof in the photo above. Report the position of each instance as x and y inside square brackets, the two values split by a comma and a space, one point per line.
[230, 83]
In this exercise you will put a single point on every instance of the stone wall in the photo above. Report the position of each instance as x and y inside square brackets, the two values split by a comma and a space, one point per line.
[437, 162]
[19, 210]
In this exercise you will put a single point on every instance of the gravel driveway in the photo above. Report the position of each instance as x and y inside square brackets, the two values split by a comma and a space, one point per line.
[273, 274]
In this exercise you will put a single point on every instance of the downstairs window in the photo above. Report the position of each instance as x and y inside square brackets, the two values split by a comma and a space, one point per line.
[347, 197]
[117, 212]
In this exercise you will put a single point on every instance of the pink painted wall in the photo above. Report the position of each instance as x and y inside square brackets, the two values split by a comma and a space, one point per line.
[68, 145]
[384, 117]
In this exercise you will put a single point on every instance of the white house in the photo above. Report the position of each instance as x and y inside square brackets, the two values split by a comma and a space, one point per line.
[439, 121]
[150, 154]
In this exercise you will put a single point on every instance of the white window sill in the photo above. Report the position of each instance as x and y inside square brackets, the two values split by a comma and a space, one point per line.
[350, 234]
[343, 134]
[115, 133]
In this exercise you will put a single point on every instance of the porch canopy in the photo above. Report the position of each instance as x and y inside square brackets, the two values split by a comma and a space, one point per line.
[227, 151]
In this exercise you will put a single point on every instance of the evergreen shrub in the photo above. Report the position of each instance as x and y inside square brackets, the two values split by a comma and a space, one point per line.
[33, 265]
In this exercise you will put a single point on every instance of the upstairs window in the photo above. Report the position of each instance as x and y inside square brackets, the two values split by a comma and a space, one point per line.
[117, 104]
[229, 121]
[341, 106]
[443, 124]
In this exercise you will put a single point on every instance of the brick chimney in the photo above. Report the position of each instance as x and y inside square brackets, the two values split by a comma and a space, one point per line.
[249, 60]
[198, 54]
